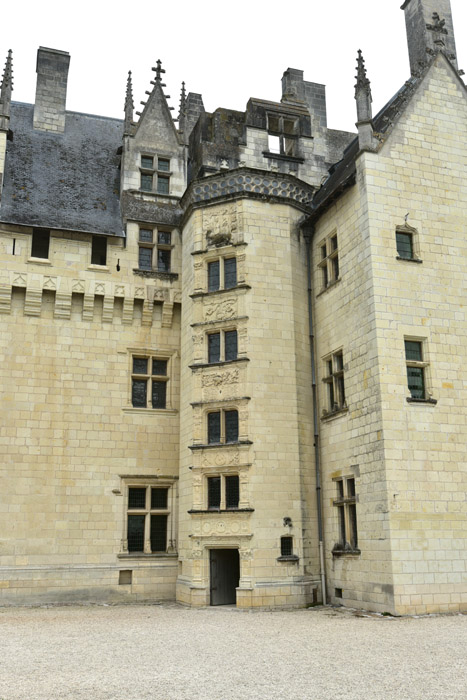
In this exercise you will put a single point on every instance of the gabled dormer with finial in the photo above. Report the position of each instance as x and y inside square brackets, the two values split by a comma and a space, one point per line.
[364, 124]
[6, 89]
[429, 29]
[153, 164]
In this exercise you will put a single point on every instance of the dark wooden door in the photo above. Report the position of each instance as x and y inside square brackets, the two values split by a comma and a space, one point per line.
[225, 575]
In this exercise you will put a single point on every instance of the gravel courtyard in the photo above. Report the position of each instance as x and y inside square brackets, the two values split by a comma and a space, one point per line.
[167, 652]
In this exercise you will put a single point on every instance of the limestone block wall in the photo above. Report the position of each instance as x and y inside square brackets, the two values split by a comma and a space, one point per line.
[71, 441]
[351, 436]
[421, 171]
[272, 455]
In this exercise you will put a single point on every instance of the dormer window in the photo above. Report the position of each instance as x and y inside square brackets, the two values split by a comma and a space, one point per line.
[282, 135]
[155, 178]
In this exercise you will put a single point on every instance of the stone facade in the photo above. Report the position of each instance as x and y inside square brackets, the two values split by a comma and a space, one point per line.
[232, 351]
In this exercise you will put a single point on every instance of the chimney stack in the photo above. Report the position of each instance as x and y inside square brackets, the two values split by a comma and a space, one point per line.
[52, 77]
[429, 29]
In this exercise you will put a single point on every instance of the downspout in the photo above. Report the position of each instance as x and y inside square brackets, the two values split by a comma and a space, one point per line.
[308, 233]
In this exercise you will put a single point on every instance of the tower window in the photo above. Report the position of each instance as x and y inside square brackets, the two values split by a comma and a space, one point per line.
[346, 505]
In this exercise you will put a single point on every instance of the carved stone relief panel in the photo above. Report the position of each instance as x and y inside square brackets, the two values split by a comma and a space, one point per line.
[220, 225]
[220, 309]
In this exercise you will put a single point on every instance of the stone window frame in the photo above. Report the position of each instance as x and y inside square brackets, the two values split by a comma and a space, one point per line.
[423, 367]
[412, 234]
[221, 259]
[346, 510]
[96, 241]
[37, 234]
[150, 482]
[149, 354]
[223, 477]
[329, 260]
[223, 437]
[283, 133]
[155, 245]
[155, 172]
[221, 332]
[333, 378]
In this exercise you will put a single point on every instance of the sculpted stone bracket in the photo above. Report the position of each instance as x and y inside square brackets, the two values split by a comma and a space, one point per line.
[64, 289]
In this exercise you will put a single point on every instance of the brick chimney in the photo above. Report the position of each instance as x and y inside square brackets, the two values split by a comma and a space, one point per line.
[52, 76]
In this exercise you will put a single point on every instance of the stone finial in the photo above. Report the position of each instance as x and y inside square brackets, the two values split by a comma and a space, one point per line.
[158, 70]
[6, 87]
[129, 105]
[362, 91]
[438, 28]
[182, 108]
[363, 98]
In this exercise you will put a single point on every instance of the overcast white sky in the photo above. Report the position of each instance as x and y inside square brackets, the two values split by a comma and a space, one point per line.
[226, 51]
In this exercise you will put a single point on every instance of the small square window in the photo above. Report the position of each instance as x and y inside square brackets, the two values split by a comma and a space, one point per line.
[416, 367]
[222, 346]
[147, 162]
[40, 243]
[99, 250]
[404, 243]
[286, 546]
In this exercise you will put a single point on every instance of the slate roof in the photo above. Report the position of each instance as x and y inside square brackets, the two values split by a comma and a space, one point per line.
[63, 181]
[342, 174]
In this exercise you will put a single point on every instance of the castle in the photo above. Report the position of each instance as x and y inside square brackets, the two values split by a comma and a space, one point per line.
[233, 345]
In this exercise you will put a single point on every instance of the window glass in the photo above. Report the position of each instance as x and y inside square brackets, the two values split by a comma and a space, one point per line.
[163, 164]
[159, 394]
[213, 276]
[214, 492]
[159, 498]
[163, 260]
[413, 350]
[214, 347]
[230, 339]
[158, 534]
[404, 245]
[139, 393]
[231, 426]
[136, 533]
[145, 258]
[164, 237]
[136, 498]
[140, 365]
[147, 162]
[230, 273]
[232, 491]
[146, 182]
[286, 546]
[159, 367]
[145, 235]
[163, 184]
[214, 427]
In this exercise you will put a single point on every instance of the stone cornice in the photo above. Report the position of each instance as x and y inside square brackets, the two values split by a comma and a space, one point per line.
[248, 182]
